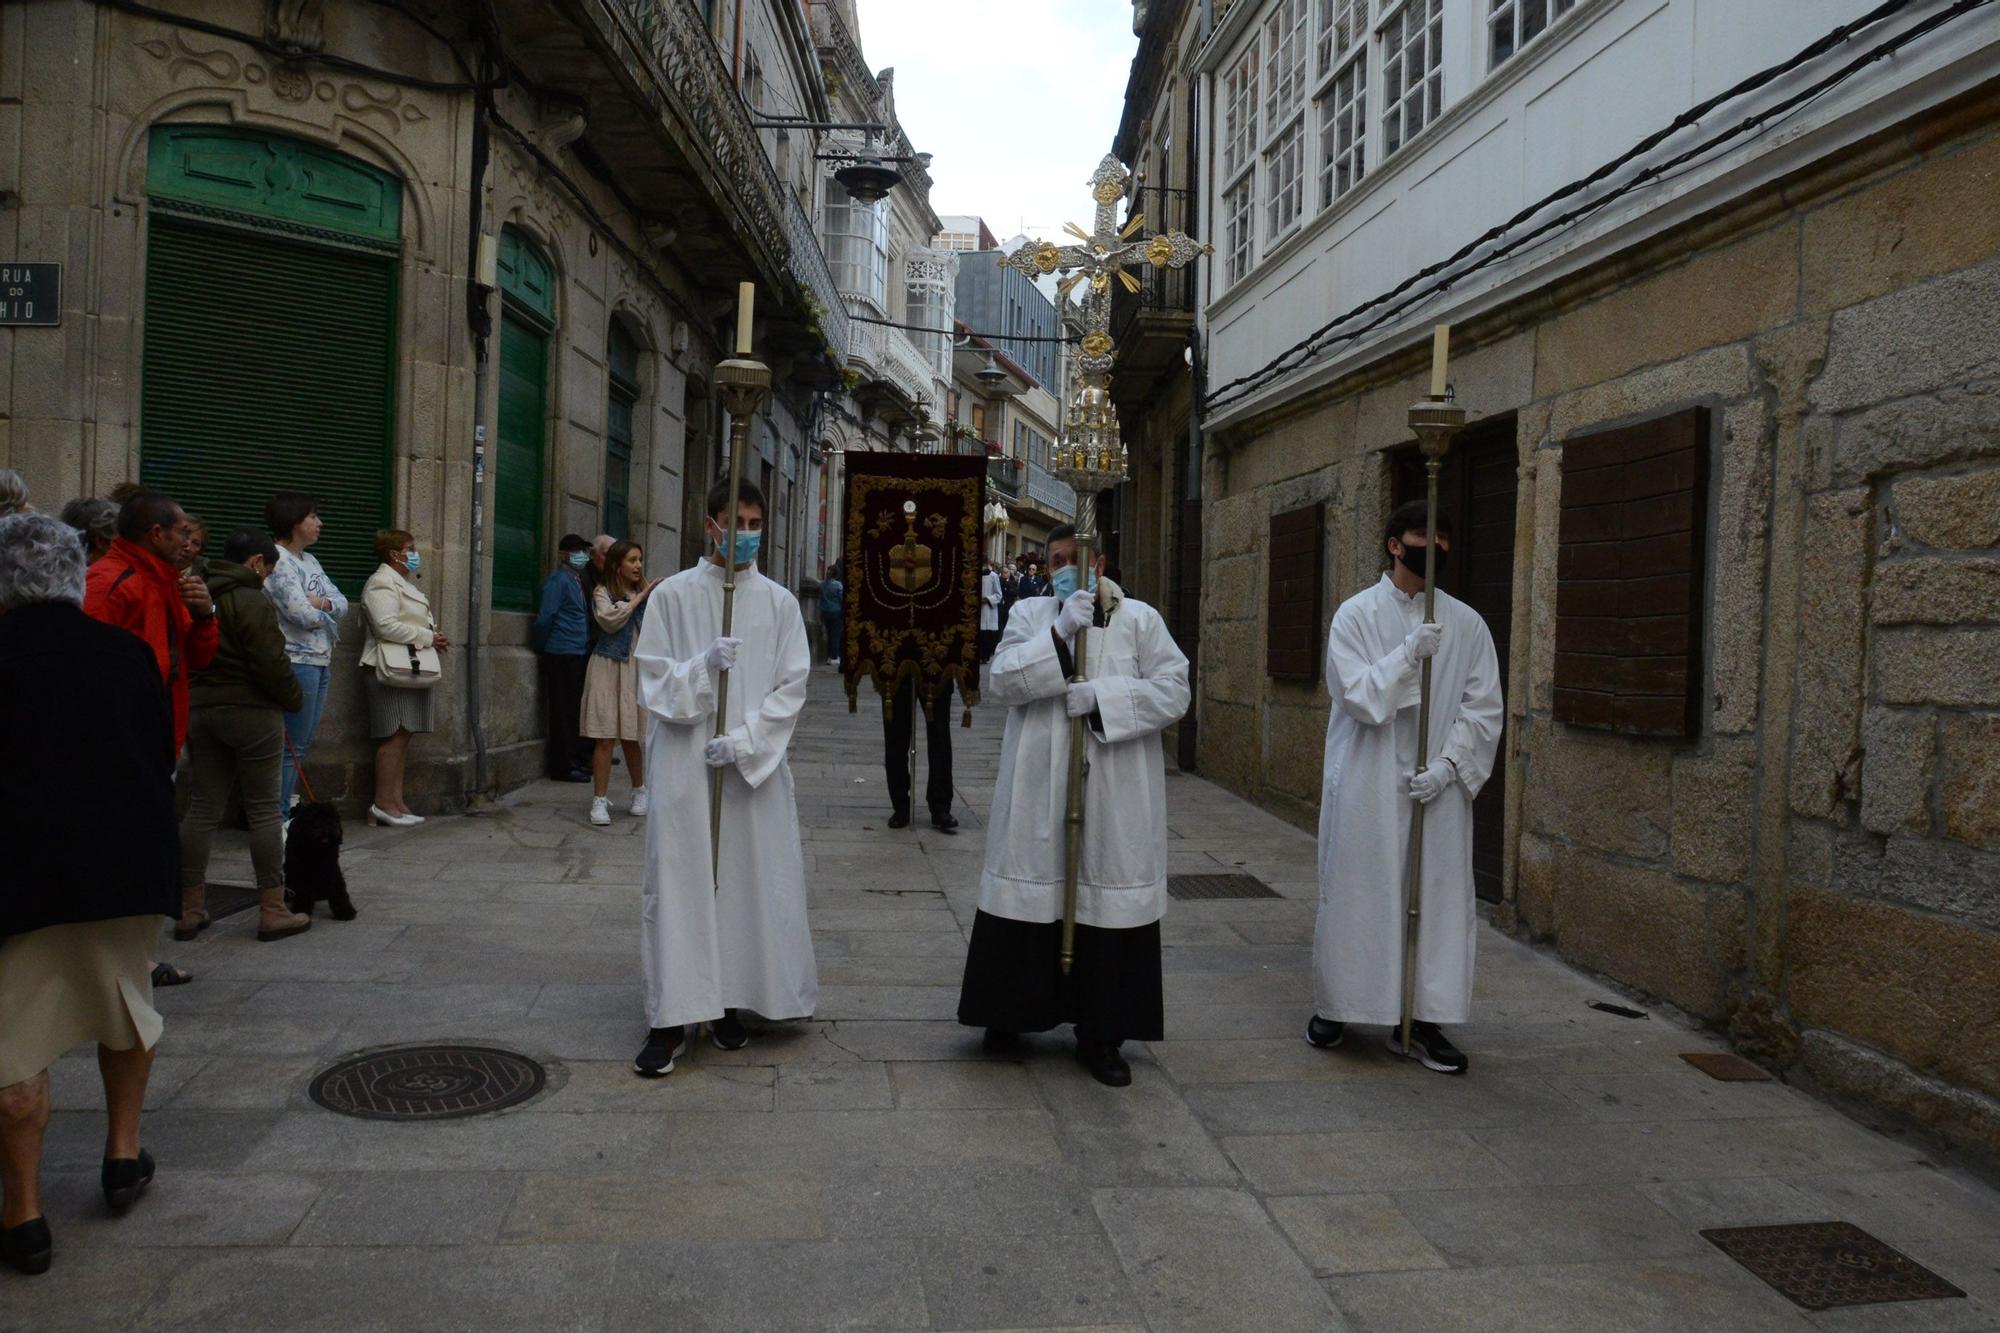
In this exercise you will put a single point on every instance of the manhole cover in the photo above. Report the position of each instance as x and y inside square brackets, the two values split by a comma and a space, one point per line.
[1218, 886]
[1821, 1265]
[428, 1083]
[1726, 1067]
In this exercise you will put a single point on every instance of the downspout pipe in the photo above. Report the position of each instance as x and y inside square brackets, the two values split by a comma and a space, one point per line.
[479, 322]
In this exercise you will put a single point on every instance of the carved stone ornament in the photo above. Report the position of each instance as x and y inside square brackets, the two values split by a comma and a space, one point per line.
[295, 25]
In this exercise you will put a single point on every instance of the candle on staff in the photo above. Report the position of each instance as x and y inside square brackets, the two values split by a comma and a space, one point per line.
[746, 303]
[1440, 354]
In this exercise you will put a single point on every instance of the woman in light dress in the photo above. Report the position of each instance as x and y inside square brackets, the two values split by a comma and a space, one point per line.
[611, 681]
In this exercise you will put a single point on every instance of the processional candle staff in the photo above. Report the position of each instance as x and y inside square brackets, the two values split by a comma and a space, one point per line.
[744, 381]
[1092, 457]
[1435, 420]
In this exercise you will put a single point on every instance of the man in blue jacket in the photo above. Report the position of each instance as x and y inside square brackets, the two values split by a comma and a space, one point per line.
[562, 637]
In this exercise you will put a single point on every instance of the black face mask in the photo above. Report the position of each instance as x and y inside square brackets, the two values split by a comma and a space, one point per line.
[1413, 559]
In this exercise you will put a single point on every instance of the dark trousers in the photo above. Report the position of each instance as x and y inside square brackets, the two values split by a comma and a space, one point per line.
[896, 745]
[989, 639]
[563, 675]
[830, 622]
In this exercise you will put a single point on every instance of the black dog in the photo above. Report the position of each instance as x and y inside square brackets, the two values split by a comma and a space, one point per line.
[312, 861]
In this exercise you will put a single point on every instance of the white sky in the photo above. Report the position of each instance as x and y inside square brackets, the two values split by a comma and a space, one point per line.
[1017, 101]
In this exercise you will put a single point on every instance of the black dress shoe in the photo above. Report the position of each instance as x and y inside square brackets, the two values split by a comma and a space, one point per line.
[900, 819]
[1104, 1062]
[1000, 1041]
[945, 823]
[1325, 1033]
[576, 775]
[27, 1246]
[125, 1179]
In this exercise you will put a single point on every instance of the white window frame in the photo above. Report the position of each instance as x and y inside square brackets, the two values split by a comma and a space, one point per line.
[1284, 181]
[1343, 128]
[1239, 211]
[1413, 27]
[1286, 37]
[857, 248]
[1333, 20]
[1511, 25]
[1240, 106]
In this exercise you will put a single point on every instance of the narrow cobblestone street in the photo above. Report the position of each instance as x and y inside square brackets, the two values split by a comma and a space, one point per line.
[873, 1168]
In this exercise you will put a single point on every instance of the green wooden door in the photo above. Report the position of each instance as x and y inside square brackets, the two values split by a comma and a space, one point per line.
[269, 354]
[526, 320]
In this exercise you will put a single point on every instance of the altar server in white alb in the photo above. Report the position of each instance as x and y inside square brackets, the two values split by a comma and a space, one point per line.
[711, 948]
[1374, 660]
[1136, 686]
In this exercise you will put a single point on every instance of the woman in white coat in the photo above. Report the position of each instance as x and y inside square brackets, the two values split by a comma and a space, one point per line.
[400, 631]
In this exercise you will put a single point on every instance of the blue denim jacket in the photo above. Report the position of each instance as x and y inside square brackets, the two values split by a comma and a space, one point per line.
[616, 645]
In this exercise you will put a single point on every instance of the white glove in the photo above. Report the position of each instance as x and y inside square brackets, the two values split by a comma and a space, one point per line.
[1082, 699]
[721, 655]
[721, 751]
[1428, 785]
[1423, 641]
[1078, 609]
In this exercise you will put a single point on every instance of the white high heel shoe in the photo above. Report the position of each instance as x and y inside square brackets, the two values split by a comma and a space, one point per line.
[377, 815]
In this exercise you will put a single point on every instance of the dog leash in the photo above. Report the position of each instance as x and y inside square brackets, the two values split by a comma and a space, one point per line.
[299, 770]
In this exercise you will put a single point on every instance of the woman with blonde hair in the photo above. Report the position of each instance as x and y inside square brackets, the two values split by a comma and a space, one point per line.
[402, 667]
[611, 681]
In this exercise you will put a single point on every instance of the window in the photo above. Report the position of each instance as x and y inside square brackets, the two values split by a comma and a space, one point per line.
[1343, 131]
[1284, 181]
[1284, 62]
[979, 420]
[1515, 23]
[623, 355]
[1342, 24]
[857, 248]
[1295, 561]
[1236, 210]
[1630, 577]
[1239, 122]
[1412, 71]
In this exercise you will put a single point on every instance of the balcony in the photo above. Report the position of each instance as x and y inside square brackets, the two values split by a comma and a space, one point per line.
[1054, 496]
[1003, 477]
[666, 123]
[1150, 326]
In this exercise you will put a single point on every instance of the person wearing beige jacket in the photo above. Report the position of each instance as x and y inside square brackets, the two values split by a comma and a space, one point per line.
[398, 614]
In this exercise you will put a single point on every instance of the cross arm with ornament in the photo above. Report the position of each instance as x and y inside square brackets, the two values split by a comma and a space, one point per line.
[1108, 249]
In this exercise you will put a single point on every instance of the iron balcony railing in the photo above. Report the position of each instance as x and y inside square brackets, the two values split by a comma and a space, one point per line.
[1161, 290]
[696, 91]
[1046, 491]
[1003, 475]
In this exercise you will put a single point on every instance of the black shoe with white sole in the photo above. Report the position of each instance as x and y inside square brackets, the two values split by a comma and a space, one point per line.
[1325, 1033]
[727, 1032]
[1431, 1047]
[656, 1057]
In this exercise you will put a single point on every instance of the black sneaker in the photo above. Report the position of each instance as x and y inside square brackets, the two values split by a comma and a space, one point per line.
[656, 1057]
[1325, 1033]
[727, 1033]
[1104, 1062]
[899, 819]
[1431, 1048]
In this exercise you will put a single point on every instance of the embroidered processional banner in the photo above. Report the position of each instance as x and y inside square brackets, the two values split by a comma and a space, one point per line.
[912, 564]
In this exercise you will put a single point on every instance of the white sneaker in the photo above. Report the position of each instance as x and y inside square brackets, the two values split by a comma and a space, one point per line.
[600, 811]
[639, 801]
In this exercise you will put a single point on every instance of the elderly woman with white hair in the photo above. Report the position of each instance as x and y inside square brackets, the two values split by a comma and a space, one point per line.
[13, 493]
[82, 707]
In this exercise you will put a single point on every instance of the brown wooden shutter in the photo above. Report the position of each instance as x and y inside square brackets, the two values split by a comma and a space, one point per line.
[1297, 556]
[1630, 577]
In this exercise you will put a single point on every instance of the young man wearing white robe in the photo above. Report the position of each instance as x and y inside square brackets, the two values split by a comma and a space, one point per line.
[741, 940]
[1136, 686]
[1374, 658]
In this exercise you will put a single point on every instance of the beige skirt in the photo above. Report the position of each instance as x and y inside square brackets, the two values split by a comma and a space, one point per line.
[611, 700]
[61, 986]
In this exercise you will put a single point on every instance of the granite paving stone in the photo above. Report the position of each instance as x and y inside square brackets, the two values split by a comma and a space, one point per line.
[874, 1167]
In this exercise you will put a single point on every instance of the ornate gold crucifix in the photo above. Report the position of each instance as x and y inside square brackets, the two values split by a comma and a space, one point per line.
[1102, 253]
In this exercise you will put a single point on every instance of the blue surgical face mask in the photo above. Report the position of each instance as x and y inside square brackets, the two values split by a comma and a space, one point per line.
[746, 546]
[1063, 582]
[414, 561]
[578, 559]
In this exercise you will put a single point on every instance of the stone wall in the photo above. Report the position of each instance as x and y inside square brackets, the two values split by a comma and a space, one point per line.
[1820, 871]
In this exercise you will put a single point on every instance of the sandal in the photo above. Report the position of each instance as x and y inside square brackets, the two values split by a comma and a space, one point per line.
[166, 974]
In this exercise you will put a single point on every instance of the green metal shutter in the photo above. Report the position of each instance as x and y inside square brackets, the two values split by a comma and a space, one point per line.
[624, 359]
[269, 365]
[517, 486]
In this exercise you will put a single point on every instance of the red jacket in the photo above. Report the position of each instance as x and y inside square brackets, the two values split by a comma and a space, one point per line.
[134, 589]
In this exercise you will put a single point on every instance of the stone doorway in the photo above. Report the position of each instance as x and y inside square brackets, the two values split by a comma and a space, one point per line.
[1477, 493]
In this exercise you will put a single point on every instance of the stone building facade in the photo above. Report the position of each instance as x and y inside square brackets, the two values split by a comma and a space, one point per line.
[289, 231]
[1804, 849]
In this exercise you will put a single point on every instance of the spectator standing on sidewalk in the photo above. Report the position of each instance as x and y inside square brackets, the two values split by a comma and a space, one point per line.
[142, 585]
[309, 608]
[82, 711]
[96, 522]
[13, 494]
[562, 638]
[833, 612]
[611, 713]
[402, 663]
[238, 736]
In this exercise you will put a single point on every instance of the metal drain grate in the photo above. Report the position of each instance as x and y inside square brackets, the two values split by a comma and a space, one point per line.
[428, 1083]
[1824, 1265]
[1218, 886]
